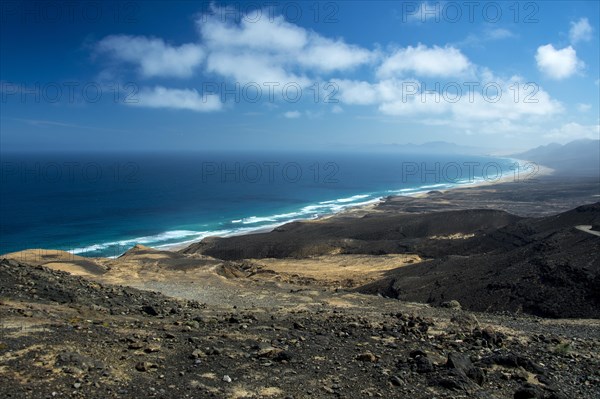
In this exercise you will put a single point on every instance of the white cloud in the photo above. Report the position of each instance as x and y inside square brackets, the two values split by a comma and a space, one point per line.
[499, 33]
[581, 31]
[425, 61]
[336, 109]
[478, 39]
[153, 56]
[247, 68]
[558, 64]
[584, 107]
[161, 97]
[292, 114]
[469, 108]
[273, 50]
[268, 34]
[573, 131]
[357, 92]
[329, 55]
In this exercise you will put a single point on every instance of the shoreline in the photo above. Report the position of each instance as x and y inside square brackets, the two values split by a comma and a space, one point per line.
[347, 210]
[367, 208]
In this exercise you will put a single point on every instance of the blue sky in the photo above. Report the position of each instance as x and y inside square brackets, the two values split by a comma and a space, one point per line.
[189, 75]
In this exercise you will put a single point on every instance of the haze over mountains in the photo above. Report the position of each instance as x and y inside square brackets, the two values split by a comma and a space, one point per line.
[579, 157]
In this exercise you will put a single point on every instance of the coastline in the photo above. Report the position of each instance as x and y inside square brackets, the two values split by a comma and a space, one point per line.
[369, 207]
[366, 209]
[352, 205]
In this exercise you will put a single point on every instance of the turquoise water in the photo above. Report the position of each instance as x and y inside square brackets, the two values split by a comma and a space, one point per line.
[102, 204]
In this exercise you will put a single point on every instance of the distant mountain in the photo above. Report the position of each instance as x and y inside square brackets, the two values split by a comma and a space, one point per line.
[579, 157]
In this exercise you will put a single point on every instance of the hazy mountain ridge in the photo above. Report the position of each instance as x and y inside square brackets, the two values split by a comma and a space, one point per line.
[579, 157]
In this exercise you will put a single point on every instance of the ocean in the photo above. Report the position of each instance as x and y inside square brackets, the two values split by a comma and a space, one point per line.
[103, 204]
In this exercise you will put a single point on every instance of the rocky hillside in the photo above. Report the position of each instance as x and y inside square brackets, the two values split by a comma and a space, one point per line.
[488, 260]
[543, 266]
[370, 234]
[65, 336]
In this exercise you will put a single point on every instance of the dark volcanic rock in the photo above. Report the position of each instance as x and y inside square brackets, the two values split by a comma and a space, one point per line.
[459, 362]
[529, 391]
[454, 380]
[542, 266]
[375, 348]
[150, 310]
[463, 365]
[477, 374]
[374, 235]
[513, 360]
[424, 365]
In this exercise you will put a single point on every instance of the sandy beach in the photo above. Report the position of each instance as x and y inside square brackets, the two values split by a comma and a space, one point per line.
[361, 210]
